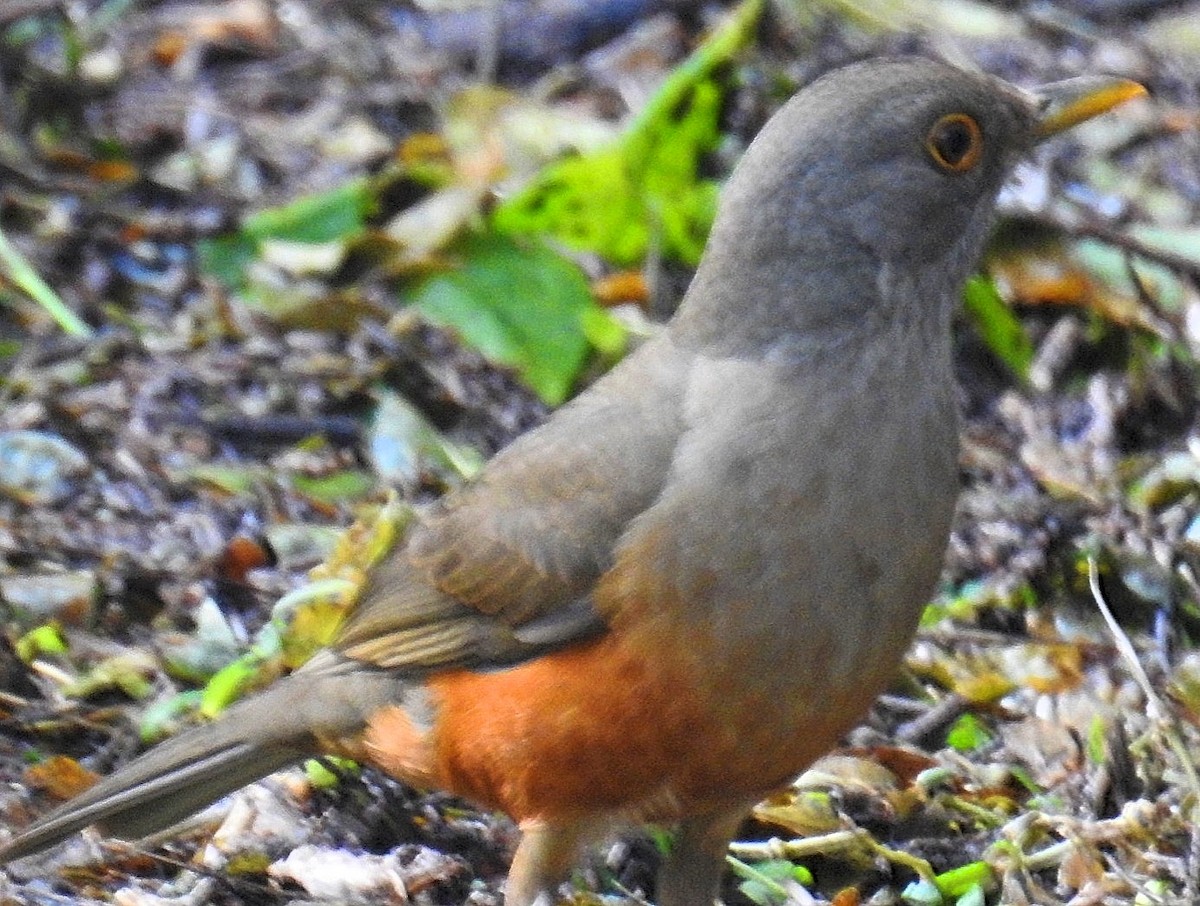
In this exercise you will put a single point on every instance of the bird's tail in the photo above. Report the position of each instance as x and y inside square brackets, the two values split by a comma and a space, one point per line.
[330, 698]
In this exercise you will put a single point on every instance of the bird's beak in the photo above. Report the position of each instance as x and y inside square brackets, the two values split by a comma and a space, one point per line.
[1068, 103]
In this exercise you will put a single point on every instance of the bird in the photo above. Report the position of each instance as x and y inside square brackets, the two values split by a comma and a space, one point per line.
[689, 582]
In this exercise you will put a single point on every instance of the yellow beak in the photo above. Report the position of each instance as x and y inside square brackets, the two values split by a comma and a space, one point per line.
[1068, 103]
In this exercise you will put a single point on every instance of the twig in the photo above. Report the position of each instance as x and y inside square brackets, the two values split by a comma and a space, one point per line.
[13, 701]
[1155, 709]
[1192, 881]
[801, 847]
[1132, 244]
[838, 841]
[934, 720]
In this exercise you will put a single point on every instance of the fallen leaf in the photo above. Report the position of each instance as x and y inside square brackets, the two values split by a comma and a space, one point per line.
[60, 776]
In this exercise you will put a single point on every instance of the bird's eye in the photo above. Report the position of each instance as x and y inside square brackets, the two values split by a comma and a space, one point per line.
[955, 142]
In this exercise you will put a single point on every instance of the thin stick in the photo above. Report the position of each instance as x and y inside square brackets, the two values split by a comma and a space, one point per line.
[1155, 709]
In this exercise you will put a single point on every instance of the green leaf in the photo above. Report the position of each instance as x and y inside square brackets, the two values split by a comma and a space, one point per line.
[763, 882]
[322, 778]
[762, 894]
[1023, 777]
[589, 203]
[959, 882]
[228, 684]
[122, 671]
[14, 267]
[232, 478]
[662, 838]
[648, 184]
[321, 217]
[226, 257]
[159, 719]
[45, 639]
[337, 487]
[194, 657]
[782, 870]
[312, 627]
[604, 331]
[968, 734]
[998, 326]
[1097, 749]
[521, 305]
[336, 215]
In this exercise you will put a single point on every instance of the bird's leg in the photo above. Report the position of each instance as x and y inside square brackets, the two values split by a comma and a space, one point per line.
[543, 860]
[691, 874]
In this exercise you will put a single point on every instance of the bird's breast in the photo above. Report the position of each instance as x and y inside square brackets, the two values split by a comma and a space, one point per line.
[756, 608]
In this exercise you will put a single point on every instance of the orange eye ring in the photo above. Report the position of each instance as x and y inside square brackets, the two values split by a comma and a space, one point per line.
[955, 142]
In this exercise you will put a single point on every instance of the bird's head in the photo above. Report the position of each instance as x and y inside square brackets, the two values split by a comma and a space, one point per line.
[890, 166]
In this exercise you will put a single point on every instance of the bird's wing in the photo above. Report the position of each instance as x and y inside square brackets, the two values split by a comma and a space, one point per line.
[503, 570]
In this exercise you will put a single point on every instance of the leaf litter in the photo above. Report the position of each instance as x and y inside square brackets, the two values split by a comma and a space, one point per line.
[238, 204]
